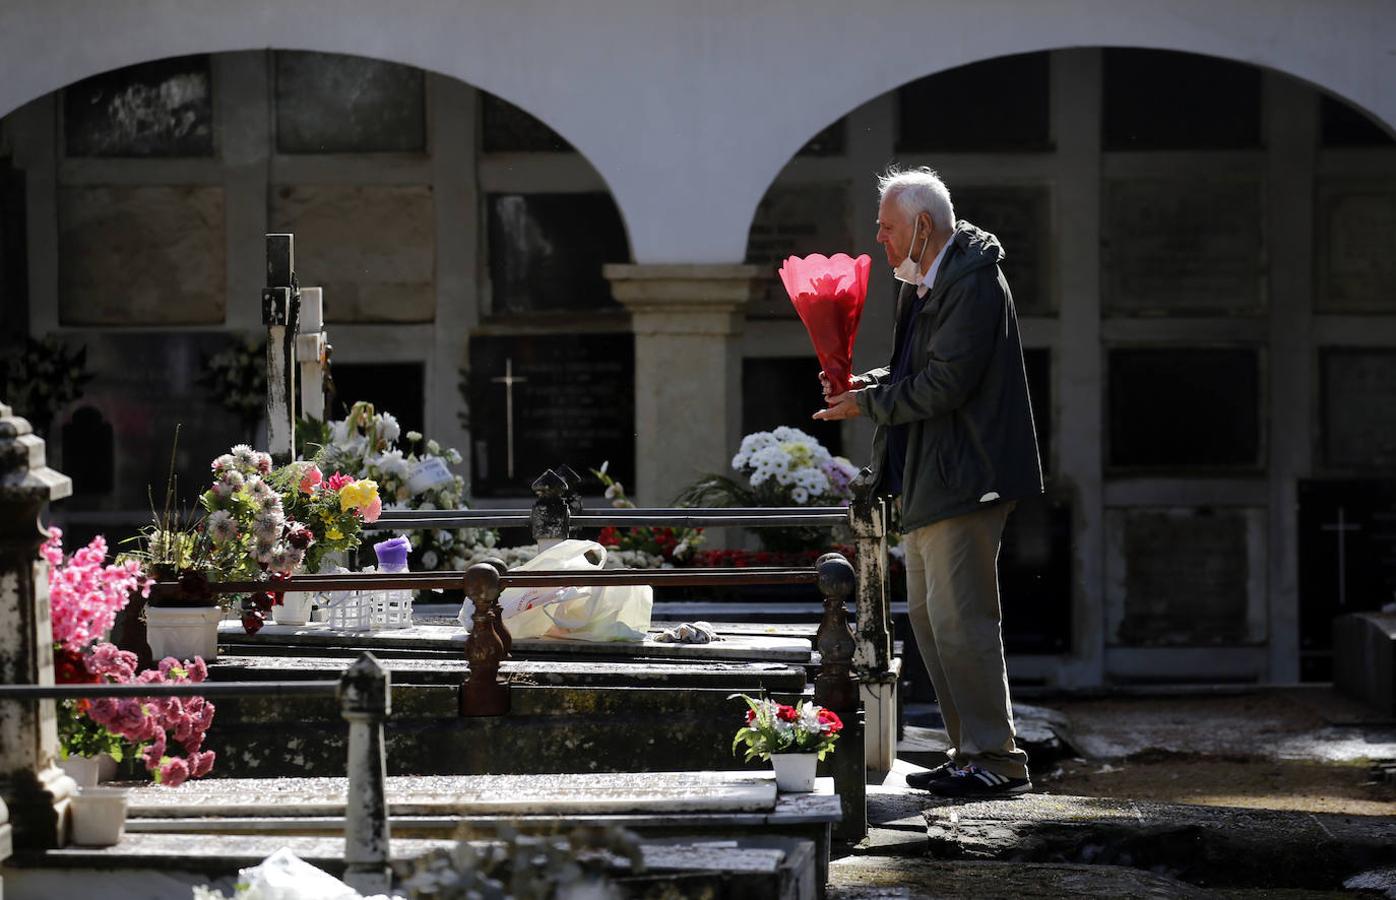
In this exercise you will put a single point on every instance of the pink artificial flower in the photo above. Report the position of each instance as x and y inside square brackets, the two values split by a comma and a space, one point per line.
[109, 661]
[311, 480]
[373, 510]
[200, 763]
[173, 772]
[337, 481]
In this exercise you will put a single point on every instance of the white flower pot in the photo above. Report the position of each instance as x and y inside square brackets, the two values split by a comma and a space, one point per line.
[294, 608]
[87, 771]
[99, 816]
[794, 771]
[183, 633]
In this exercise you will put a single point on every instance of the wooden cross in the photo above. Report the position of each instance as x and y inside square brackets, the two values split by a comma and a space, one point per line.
[509, 380]
[1342, 527]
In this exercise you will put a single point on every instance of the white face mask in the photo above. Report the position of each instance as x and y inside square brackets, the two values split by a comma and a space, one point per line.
[908, 271]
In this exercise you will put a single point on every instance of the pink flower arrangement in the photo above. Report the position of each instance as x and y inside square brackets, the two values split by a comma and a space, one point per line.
[84, 593]
[311, 480]
[156, 723]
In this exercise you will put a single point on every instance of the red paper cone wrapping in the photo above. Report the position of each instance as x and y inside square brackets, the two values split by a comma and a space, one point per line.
[828, 293]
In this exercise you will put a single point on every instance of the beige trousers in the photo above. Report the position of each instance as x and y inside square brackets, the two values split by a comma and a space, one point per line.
[952, 593]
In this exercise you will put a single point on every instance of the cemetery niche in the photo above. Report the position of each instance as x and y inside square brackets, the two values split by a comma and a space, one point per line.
[155, 109]
[546, 252]
[1359, 412]
[330, 103]
[794, 222]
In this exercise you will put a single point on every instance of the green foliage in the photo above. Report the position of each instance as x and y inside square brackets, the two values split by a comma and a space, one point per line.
[42, 379]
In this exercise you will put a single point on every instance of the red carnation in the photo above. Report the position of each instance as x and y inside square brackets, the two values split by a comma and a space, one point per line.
[830, 719]
[787, 713]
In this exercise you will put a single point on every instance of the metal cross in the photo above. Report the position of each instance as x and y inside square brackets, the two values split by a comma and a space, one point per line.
[508, 380]
[1342, 527]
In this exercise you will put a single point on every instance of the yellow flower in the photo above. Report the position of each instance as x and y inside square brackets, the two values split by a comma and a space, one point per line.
[334, 534]
[357, 495]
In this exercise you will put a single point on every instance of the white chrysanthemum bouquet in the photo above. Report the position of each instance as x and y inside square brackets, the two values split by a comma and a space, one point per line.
[788, 467]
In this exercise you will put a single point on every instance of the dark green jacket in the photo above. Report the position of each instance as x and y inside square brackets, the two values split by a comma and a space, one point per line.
[970, 440]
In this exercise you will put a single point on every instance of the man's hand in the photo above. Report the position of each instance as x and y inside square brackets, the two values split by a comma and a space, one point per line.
[841, 406]
[858, 381]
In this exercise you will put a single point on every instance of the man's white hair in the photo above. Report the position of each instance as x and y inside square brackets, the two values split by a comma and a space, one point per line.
[917, 191]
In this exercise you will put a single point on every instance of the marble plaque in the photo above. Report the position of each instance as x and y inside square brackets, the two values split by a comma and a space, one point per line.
[1021, 219]
[141, 255]
[785, 391]
[1185, 577]
[371, 247]
[1171, 247]
[1359, 408]
[156, 109]
[1356, 258]
[546, 252]
[1166, 100]
[505, 128]
[571, 400]
[1184, 408]
[1035, 576]
[397, 388]
[144, 387]
[331, 103]
[796, 220]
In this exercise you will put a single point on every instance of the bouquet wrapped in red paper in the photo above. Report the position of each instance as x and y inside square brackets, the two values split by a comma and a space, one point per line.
[828, 293]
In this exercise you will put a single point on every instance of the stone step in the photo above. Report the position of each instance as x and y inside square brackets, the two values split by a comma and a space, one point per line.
[1205, 845]
[160, 866]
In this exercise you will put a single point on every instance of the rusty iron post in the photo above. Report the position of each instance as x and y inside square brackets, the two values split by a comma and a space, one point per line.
[835, 688]
[551, 512]
[483, 693]
[365, 696]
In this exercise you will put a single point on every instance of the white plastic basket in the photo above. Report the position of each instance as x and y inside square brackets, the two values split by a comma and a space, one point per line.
[390, 609]
[349, 610]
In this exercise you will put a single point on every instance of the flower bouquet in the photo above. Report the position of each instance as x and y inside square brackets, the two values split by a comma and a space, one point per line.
[794, 738]
[668, 546]
[828, 293]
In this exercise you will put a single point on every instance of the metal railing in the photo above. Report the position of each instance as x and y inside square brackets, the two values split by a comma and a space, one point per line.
[365, 697]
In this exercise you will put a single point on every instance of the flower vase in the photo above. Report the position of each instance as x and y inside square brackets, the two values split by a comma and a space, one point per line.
[87, 771]
[795, 771]
[183, 632]
[99, 816]
[294, 608]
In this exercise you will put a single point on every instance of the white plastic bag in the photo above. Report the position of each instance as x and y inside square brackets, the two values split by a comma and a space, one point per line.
[618, 613]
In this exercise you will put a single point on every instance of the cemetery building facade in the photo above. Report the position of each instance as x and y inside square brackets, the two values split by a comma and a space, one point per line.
[552, 234]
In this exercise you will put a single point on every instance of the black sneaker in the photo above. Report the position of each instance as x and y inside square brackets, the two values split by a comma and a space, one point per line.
[922, 780]
[973, 782]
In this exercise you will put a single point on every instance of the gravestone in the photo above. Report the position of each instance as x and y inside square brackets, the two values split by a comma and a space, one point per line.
[331, 103]
[151, 255]
[1182, 248]
[1359, 408]
[397, 388]
[1165, 100]
[1184, 408]
[90, 452]
[504, 128]
[371, 247]
[947, 111]
[785, 391]
[546, 252]
[144, 386]
[1347, 560]
[1356, 231]
[540, 400]
[796, 221]
[1020, 217]
[155, 109]
[1185, 577]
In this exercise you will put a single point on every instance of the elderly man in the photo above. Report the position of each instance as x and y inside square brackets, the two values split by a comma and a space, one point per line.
[955, 443]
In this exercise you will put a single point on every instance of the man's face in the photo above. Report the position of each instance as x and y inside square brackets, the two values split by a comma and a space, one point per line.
[894, 230]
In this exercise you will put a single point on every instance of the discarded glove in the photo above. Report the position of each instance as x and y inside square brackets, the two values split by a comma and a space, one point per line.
[689, 633]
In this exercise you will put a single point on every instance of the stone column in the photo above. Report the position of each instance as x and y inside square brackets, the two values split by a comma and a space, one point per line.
[365, 696]
[688, 368]
[33, 788]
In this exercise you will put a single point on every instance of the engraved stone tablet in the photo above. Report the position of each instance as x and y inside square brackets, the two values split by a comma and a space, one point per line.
[796, 221]
[372, 248]
[1186, 577]
[1359, 408]
[1182, 247]
[331, 103]
[1355, 262]
[1020, 218]
[155, 109]
[546, 251]
[141, 255]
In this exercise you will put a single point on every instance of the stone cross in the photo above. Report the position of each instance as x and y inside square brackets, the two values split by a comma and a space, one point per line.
[365, 702]
[280, 312]
[1342, 527]
[32, 787]
[312, 353]
[509, 380]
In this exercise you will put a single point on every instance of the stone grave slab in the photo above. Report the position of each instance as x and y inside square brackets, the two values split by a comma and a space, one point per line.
[768, 648]
[575, 794]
